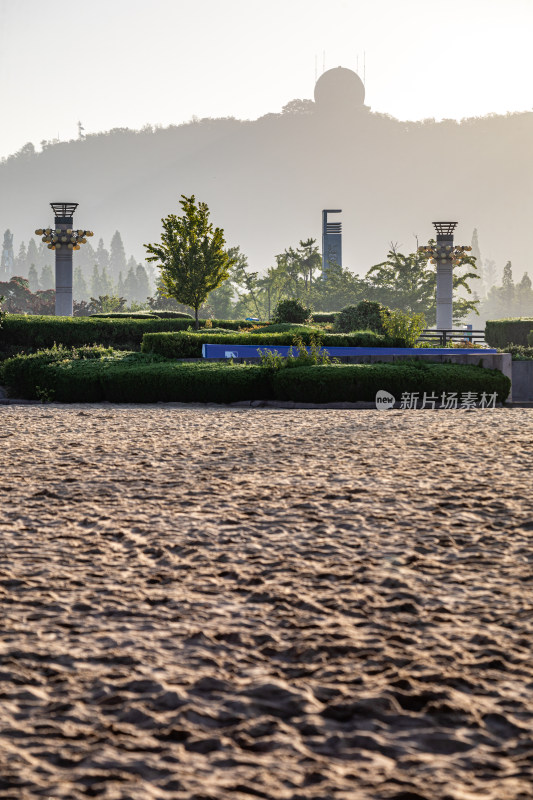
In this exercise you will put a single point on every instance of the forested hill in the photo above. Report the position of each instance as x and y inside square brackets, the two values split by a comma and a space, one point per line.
[266, 181]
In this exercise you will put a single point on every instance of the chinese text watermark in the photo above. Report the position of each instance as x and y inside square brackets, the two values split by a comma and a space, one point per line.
[465, 401]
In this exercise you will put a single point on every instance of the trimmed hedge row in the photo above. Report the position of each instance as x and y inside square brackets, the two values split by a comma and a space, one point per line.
[125, 333]
[131, 378]
[189, 345]
[503, 332]
[125, 315]
[172, 314]
[145, 314]
[85, 376]
[350, 382]
[324, 316]
[285, 327]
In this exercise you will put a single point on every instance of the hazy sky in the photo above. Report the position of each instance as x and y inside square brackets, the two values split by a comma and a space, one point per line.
[127, 63]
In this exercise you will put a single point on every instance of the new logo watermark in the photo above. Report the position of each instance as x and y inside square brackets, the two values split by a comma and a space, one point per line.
[466, 401]
[384, 400]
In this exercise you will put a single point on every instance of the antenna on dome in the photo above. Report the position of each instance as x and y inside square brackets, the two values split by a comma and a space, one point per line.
[357, 63]
[364, 67]
[316, 68]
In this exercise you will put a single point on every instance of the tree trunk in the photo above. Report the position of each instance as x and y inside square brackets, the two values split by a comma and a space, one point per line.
[196, 321]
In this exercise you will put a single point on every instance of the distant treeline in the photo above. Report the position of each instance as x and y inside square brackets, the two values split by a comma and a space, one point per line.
[97, 271]
[266, 181]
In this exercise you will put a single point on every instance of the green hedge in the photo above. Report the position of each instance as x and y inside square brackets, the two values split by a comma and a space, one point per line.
[96, 374]
[324, 316]
[352, 382]
[125, 333]
[189, 345]
[125, 315]
[132, 378]
[519, 352]
[171, 314]
[530, 339]
[145, 314]
[284, 327]
[503, 332]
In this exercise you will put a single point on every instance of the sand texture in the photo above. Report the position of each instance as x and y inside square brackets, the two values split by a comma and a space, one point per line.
[225, 603]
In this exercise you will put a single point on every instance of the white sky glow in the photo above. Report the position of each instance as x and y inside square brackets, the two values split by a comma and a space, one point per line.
[127, 63]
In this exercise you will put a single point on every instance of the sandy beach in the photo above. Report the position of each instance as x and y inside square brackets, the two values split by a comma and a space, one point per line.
[208, 603]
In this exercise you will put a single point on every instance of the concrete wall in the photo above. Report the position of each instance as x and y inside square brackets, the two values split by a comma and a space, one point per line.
[522, 380]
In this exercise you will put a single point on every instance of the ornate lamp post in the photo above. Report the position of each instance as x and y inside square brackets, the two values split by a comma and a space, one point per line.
[64, 240]
[446, 256]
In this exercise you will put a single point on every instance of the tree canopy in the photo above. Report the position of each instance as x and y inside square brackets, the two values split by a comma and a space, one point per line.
[192, 255]
[408, 283]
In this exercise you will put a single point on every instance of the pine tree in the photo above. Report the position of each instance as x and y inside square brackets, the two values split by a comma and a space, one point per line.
[102, 256]
[476, 253]
[21, 263]
[43, 256]
[96, 283]
[107, 284]
[33, 279]
[117, 257]
[143, 285]
[121, 291]
[47, 279]
[86, 259]
[508, 288]
[32, 256]
[7, 262]
[79, 289]
[489, 272]
[130, 286]
[524, 296]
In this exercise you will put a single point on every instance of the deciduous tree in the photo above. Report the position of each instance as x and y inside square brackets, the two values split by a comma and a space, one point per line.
[191, 255]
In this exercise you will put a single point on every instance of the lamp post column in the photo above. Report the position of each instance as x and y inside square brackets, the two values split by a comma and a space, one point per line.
[64, 240]
[64, 304]
[445, 256]
[444, 281]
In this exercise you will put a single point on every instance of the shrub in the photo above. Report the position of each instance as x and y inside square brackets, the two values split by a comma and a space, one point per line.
[107, 304]
[530, 338]
[24, 373]
[134, 378]
[299, 355]
[407, 326]
[353, 382]
[291, 311]
[189, 344]
[125, 315]
[96, 374]
[365, 316]
[121, 332]
[503, 332]
[283, 327]
[323, 317]
[519, 352]
[171, 314]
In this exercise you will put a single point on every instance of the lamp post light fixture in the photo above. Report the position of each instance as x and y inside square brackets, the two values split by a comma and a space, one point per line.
[446, 256]
[64, 240]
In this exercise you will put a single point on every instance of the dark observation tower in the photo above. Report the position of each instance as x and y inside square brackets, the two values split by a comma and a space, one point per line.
[64, 240]
[331, 241]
